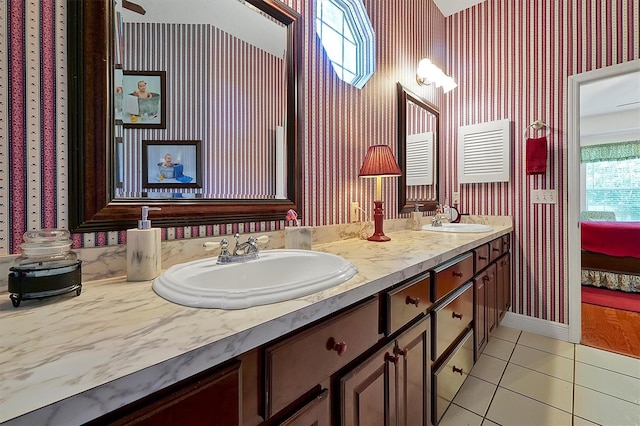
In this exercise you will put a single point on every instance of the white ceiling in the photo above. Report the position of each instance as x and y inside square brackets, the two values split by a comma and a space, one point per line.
[610, 95]
[449, 7]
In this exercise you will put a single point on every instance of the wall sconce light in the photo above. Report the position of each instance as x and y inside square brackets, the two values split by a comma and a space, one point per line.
[429, 73]
[379, 162]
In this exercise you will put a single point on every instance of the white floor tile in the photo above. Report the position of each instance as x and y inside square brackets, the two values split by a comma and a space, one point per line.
[506, 333]
[604, 409]
[543, 362]
[547, 344]
[510, 408]
[489, 368]
[609, 360]
[579, 421]
[489, 423]
[541, 387]
[458, 416]
[475, 395]
[609, 382]
[499, 348]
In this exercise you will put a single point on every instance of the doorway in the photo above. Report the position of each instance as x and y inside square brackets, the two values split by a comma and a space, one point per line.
[575, 196]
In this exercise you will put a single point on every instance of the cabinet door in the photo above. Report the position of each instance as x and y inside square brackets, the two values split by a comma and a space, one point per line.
[211, 400]
[480, 329]
[500, 288]
[489, 278]
[414, 398]
[365, 393]
[316, 413]
[506, 281]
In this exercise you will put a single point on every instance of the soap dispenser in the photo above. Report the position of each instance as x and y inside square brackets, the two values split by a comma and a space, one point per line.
[416, 217]
[144, 249]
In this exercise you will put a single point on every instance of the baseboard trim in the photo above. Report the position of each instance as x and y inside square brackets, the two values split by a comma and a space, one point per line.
[552, 329]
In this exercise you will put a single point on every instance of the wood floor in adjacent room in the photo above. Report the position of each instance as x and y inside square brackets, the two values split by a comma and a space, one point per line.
[611, 329]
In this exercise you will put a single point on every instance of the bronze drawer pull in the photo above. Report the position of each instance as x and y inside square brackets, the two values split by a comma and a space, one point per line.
[412, 301]
[339, 347]
[458, 274]
[390, 358]
[482, 257]
[454, 315]
[486, 278]
[495, 249]
[457, 370]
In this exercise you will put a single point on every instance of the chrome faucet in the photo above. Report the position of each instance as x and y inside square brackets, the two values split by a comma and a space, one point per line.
[242, 252]
[439, 217]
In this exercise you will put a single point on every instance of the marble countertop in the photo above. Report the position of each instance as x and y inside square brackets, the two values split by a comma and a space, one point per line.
[67, 360]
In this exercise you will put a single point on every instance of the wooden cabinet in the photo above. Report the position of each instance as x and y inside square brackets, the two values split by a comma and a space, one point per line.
[481, 328]
[391, 386]
[452, 318]
[451, 275]
[316, 412]
[451, 373]
[406, 302]
[210, 398]
[298, 363]
[492, 291]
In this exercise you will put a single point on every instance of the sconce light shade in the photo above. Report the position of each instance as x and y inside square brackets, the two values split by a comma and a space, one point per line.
[429, 73]
[378, 162]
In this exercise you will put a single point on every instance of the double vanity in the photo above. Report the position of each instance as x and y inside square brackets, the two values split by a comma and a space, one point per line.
[393, 342]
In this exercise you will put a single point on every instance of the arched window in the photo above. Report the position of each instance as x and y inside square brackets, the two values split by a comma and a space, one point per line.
[347, 36]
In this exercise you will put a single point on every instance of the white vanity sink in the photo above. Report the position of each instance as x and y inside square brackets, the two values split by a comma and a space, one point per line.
[277, 275]
[458, 227]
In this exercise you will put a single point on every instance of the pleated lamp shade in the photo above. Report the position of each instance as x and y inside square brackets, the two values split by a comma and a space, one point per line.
[379, 161]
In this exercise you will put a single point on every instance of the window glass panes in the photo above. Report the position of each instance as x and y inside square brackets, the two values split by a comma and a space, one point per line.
[347, 38]
[614, 186]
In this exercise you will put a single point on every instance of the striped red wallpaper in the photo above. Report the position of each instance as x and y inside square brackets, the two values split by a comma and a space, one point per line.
[511, 60]
[200, 63]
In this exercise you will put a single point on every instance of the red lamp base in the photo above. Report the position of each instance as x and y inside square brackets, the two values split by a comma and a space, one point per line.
[378, 234]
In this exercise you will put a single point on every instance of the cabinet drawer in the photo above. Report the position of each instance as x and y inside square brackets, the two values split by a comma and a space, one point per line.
[450, 376]
[452, 275]
[406, 302]
[495, 249]
[451, 319]
[481, 257]
[506, 243]
[295, 365]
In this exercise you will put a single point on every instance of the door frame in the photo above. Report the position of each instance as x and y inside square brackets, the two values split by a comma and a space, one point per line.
[573, 210]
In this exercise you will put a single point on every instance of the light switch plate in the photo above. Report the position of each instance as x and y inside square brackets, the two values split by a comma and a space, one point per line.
[455, 198]
[544, 196]
[355, 213]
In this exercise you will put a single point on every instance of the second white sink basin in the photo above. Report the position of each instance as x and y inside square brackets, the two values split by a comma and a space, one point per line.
[277, 275]
[458, 227]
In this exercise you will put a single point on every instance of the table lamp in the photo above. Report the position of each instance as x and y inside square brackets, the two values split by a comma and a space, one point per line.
[379, 162]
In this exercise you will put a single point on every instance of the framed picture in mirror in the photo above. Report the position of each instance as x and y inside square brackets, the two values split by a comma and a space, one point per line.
[171, 164]
[143, 99]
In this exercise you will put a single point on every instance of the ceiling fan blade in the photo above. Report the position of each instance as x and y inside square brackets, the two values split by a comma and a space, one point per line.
[133, 7]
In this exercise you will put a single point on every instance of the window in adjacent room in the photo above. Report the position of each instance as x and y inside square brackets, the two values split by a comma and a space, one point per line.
[347, 37]
[612, 179]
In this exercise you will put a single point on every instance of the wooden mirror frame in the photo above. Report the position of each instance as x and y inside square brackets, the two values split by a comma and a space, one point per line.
[92, 206]
[405, 95]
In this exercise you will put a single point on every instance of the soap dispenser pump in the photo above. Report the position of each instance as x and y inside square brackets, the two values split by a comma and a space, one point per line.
[144, 249]
[416, 217]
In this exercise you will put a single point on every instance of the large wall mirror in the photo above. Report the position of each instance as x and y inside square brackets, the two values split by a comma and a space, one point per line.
[418, 136]
[189, 106]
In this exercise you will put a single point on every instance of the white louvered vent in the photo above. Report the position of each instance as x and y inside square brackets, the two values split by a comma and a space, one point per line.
[420, 159]
[484, 153]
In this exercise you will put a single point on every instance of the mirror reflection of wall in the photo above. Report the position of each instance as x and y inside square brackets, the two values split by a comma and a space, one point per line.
[418, 136]
[224, 86]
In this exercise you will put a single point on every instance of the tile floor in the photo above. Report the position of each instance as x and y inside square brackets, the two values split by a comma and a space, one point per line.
[527, 379]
